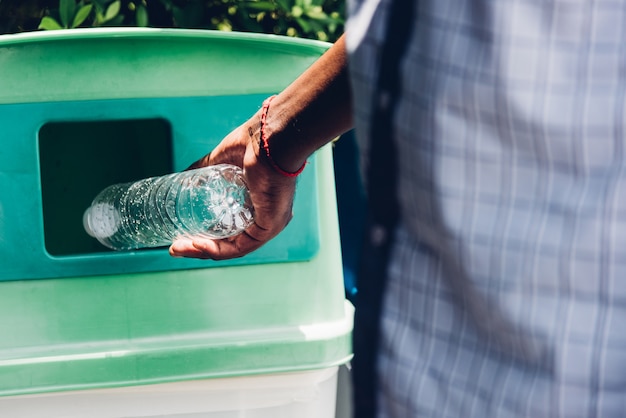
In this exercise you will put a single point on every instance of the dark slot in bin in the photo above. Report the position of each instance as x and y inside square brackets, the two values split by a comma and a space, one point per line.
[78, 159]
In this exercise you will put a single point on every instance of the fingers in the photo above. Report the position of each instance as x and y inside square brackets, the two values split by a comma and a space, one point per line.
[220, 249]
[271, 194]
[183, 247]
[226, 249]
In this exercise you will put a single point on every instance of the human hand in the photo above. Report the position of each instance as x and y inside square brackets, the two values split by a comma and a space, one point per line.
[271, 193]
[310, 112]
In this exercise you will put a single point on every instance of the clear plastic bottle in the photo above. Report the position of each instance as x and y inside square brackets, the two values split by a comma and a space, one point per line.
[211, 202]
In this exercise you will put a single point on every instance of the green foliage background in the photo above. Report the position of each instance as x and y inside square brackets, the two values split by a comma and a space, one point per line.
[314, 19]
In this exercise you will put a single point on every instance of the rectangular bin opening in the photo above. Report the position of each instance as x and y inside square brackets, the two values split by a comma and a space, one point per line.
[79, 159]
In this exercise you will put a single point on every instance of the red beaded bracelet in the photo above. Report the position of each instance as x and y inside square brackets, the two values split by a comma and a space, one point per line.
[265, 146]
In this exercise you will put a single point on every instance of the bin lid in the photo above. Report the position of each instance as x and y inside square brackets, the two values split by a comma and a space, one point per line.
[147, 62]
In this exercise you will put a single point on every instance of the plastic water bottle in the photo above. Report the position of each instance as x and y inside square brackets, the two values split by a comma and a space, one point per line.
[211, 202]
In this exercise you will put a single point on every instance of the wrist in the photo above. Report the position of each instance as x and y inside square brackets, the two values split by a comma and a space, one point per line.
[275, 145]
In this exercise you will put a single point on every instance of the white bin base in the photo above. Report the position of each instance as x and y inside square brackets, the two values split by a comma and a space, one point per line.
[310, 394]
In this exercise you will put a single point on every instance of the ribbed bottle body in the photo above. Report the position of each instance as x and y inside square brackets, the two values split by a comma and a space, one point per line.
[211, 202]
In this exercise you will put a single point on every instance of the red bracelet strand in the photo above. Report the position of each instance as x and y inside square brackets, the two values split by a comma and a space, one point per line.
[265, 146]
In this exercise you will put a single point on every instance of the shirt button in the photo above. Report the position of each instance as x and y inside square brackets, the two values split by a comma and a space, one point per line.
[383, 99]
[378, 235]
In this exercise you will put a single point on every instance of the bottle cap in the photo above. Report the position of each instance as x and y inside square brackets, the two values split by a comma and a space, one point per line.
[101, 220]
[86, 223]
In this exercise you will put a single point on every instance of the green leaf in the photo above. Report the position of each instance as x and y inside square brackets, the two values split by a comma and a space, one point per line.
[322, 36]
[67, 8]
[225, 26]
[49, 23]
[167, 4]
[112, 10]
[99, 20]
[179, 16]
[265, 6]
[296, 11]
[316, 13]
[251, 25]
[141, 15]
[116, 21]
[283, 4]
[99, 4]
[82, 14]
[306, 27]
[315, 26]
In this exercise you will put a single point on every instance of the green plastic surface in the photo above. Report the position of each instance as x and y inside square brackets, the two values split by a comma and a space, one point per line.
[202, 83]
[64, 154]
[88, 319]
[91, 64]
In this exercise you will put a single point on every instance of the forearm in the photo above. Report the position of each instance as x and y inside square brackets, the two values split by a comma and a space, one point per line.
[313, 110]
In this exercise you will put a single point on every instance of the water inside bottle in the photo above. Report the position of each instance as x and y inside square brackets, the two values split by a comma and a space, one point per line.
[212, 202]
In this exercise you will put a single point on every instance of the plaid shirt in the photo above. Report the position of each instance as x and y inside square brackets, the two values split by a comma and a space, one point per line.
[506, 291]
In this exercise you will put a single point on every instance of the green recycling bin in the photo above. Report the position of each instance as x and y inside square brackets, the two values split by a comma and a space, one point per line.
[91, 332]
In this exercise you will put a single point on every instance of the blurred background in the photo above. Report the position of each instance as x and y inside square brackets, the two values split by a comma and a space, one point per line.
[313, 19]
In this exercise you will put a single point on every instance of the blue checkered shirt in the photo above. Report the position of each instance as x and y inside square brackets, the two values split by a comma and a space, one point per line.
[506, 292]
